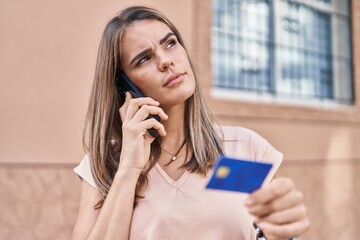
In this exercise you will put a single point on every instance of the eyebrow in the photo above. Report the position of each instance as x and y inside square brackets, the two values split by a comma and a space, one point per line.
[144, 52]
[166, 37]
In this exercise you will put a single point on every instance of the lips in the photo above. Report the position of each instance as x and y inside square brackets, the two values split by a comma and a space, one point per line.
[173, 79]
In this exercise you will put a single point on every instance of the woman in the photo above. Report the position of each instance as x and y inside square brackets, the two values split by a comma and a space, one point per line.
[137, 186]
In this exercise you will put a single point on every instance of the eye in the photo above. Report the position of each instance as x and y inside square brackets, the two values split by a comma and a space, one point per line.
[171, 43]
[143, 59]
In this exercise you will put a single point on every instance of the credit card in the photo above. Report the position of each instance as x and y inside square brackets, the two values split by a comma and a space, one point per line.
[238, 175]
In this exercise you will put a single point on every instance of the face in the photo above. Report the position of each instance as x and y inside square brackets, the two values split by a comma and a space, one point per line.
[156, 62]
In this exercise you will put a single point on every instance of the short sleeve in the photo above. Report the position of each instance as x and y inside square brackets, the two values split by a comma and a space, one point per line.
[83, 170]
[265, 152]
[243, 143]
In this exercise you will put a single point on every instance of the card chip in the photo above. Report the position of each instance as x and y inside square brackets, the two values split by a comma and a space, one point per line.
[222, 172]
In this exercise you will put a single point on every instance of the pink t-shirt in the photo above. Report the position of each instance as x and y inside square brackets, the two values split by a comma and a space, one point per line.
[185, 209]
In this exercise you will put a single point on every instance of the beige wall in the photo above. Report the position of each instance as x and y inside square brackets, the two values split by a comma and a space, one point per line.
[47, 59]
[48, 52]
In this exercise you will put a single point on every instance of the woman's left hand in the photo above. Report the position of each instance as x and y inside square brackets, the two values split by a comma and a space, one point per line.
[279, 209]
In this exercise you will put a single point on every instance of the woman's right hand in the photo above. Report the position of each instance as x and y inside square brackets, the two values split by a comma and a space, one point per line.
[136, 140]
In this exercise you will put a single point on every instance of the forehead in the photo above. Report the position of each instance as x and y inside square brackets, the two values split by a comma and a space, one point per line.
[148, 27]
[141, 34]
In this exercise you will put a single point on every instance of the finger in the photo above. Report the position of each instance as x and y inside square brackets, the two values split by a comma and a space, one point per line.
[136, 103]
[145, 110]
[289, 215]
[286, 201]
[152, 123]
[123, 108]
[275, 189]
[284, 231]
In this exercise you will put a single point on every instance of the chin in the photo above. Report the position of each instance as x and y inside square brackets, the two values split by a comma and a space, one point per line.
[176, 99]
[177, 95]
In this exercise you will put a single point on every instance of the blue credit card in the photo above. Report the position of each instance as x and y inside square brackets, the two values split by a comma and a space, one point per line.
[238, 175]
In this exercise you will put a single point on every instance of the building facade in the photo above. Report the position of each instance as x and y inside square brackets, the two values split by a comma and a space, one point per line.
[298, 86]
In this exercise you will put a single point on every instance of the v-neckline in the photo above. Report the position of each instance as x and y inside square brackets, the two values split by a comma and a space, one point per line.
[168, 179]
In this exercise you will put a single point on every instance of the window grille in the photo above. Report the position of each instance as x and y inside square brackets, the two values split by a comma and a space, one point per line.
[286, 48]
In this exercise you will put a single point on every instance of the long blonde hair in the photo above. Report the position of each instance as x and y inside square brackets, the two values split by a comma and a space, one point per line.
[103, 122]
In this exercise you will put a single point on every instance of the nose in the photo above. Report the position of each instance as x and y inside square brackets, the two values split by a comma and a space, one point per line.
[165, 62]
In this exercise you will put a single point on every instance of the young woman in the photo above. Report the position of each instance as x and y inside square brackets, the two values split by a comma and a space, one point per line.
[137, 186]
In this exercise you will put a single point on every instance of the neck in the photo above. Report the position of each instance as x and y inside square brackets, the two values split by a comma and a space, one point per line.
[174, 126]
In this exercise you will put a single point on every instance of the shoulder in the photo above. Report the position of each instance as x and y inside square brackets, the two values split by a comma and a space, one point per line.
[246, 143]
[237, 133]
[243, 143]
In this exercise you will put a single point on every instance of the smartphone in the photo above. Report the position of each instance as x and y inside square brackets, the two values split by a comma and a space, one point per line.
[126, 85]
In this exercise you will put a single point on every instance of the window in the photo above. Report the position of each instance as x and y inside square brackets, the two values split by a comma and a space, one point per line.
[291, 49]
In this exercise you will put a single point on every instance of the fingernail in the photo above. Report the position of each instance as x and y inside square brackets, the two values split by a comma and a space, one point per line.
[261, 226]
[256, 220]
